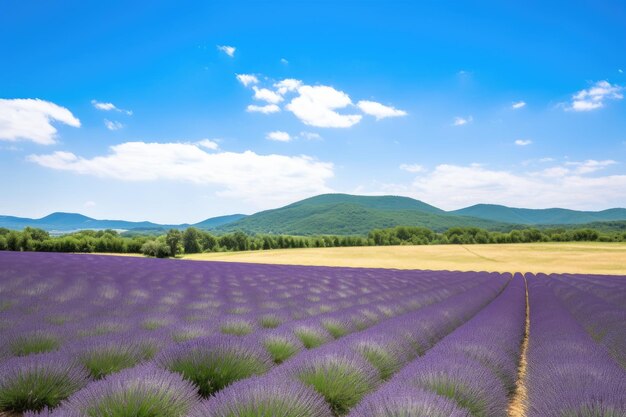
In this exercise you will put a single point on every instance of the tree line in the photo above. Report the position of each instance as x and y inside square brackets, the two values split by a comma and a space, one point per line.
[192, 240]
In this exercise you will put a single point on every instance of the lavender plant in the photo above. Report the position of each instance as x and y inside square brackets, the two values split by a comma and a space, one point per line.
[213, 363]
[38, 381]
[144, 391]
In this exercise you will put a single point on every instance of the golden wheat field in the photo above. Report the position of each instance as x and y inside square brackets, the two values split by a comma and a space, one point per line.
[587, 258]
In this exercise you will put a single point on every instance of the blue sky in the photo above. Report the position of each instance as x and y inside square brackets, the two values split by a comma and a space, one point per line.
[136, 111]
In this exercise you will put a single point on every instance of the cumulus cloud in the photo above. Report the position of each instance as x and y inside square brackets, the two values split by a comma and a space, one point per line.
[31, 119]
[518, 105]
[317, 105]
[267, 109]
[460, 121]
[278, 136]
[523, 142]
[261, 179]
[590, 165]
[414, 168]
[594, 97]
[109, 107]
[264, 94]
[380, 111]
[113, 125]
[208, 144]
[228, 50]
[247, 79]
[452, 186]
[287, 85]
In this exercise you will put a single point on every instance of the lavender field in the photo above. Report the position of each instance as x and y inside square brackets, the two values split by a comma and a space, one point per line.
[97, 336]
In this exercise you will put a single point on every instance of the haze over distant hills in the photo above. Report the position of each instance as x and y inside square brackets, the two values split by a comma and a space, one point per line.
[341, 214]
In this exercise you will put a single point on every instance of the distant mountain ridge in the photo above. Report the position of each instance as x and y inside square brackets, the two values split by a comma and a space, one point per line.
[551, 216]
[341, 214]
[64, 222]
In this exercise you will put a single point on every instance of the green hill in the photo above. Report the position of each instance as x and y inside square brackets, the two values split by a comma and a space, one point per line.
[344, 214]
[214, 222]
[552, 216]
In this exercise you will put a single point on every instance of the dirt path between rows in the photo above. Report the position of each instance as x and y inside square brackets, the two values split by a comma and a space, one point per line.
[517, 406]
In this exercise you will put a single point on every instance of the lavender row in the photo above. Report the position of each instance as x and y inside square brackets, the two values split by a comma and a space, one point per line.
[610, 288]
[62, 306]
[214, 362]
[605, 322]
[471, 372]
[344, 371]
[107, 353]
[568, 374]
[103, 350]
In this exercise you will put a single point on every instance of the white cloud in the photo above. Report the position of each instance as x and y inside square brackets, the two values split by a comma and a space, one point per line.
[31, 119]
[621, 71]
[310, 136]
[267, 109]
[594, 97]
[89, 204]
[113, 125]
[262, 179]
[278, 136]
[460, 121]
[208, 144]
[414, 168]
[316, 105]
[518, 105]
[523, 142]
[247, 79]
[546, 159]
[284, 61]
[287, 85]
[378, 110]
[109, 107]
[228, 50]
[265, 94]
[590, 165]
[452, 186]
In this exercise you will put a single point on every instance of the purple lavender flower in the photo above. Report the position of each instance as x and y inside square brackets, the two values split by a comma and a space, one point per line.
[342, 379]
[141, 391]
[405, 401]
[38, 381]
[215, 362]
[264, 397]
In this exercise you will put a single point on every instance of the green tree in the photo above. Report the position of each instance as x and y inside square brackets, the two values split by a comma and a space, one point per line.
[173, 239]
[191, 240]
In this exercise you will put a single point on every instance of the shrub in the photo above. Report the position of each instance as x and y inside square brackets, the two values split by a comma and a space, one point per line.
[282, 347]
[258, 397]
[144, 391]
[341, 379]
[311, 337]
[213, 363]
[38, 381]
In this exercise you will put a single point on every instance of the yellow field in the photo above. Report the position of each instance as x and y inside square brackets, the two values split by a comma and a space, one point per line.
[592, 258]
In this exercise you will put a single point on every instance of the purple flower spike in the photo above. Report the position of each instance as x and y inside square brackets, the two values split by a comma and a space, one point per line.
[215, 362]
[264, 397]
[403, 401]
[142, 391]
[38, 381]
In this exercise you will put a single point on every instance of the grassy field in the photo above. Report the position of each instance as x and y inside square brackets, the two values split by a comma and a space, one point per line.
[590, 258]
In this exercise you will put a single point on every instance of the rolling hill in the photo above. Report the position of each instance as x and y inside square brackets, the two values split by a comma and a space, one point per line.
[65, 222]
[552, 216]
[344, 214]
